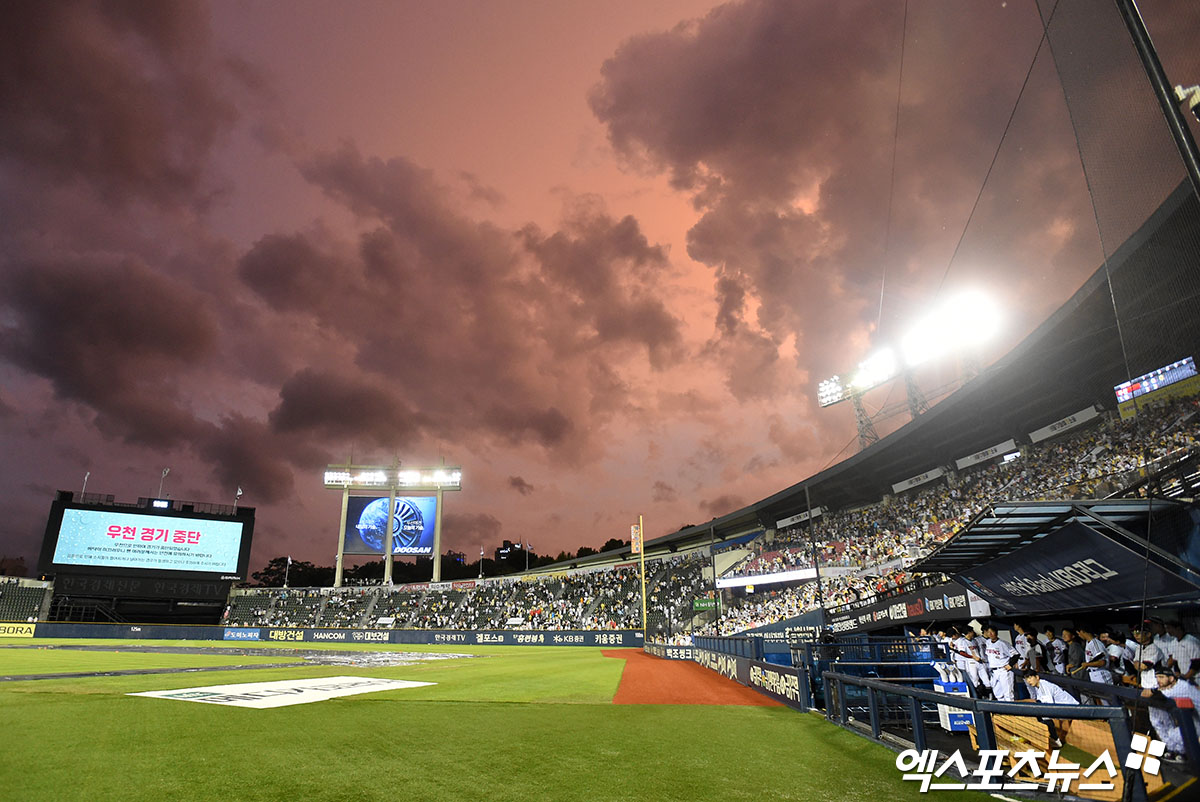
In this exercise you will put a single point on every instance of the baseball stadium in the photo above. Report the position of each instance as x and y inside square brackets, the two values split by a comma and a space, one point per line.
[995, 594]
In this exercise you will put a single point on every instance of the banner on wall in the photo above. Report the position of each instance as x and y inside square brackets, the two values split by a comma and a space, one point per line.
[946, 602]
[1073, 568]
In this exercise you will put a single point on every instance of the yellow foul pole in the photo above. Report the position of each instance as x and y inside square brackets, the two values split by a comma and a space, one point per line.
[642, 555]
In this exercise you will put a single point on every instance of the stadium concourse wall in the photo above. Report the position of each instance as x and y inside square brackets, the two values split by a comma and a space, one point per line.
[422, 637]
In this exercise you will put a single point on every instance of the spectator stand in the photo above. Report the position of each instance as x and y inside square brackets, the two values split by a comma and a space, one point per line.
[24, 600]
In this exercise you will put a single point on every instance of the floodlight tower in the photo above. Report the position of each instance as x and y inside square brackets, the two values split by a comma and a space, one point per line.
[866, 427]
[390, 479]
[916, 399]
[962, 321]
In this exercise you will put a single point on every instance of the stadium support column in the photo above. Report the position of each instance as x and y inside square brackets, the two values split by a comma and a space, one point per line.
[437, 541]
[1176, 122]
[337, 576]
[388, 545]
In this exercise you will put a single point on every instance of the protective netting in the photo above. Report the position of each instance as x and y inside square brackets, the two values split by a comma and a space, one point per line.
[1146, 214]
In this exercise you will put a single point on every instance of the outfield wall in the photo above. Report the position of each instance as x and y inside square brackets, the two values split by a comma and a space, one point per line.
[424, 637]
[781, 683]
[668, 652]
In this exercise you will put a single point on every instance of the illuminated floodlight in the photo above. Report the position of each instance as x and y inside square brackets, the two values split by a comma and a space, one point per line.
[830, 391]
[925, 341]
[367, 478]
[976, 317]
[874, 370]
[967, 319]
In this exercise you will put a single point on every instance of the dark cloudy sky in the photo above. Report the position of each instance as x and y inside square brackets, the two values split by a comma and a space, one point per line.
[596, 253]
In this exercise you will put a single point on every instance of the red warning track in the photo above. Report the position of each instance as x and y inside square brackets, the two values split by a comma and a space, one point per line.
[650, 680]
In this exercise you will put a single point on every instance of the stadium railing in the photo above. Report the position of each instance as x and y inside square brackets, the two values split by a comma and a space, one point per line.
[735, 645]
[982, 711]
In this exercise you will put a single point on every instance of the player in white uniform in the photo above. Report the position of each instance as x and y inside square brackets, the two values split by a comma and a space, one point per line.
[1095, 658]
[1021, 643]
[1001, 657]
[1172, 687]
[1114, 646]
[1046, 692]
[1147, 655]
[1056, 651]
[1185, 652]
[967, 659]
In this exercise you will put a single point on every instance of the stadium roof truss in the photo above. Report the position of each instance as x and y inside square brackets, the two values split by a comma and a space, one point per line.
[1004, 528]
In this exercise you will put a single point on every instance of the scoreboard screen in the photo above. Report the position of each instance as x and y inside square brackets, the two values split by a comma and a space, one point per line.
[1156, 380]
[138, 541]
[413, 521]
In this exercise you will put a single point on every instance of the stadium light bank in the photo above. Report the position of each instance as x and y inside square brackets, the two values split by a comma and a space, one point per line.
[350, 478]
[961, 323]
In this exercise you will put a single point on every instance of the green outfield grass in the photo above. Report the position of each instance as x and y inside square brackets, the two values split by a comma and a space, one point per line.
[513, 723]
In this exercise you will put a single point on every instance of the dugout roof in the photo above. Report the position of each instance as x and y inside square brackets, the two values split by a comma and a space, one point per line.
[1005, 528]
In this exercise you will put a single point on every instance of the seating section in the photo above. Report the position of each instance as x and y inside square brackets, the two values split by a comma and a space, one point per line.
[864, 552]
[21, 603]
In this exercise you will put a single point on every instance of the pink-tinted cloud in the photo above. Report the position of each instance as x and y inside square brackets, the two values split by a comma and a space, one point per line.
[519, 484]
[123, 97]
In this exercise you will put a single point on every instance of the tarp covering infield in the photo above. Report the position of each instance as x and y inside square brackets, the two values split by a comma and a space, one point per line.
[282, 693]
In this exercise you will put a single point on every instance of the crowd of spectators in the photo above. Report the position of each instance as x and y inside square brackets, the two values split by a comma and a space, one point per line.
[871, 546]
[599, 600]
[879, 539]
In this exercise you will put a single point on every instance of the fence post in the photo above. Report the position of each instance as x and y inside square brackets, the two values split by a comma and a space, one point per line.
[805, 686]
[873, 707]
[1135, 784]
[841, 696]
[984, 734]
[918, 723]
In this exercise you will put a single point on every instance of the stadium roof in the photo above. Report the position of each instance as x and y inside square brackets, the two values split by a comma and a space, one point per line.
[1071, 361]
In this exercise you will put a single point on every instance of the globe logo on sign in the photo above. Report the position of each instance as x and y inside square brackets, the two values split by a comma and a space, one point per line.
[407, 525]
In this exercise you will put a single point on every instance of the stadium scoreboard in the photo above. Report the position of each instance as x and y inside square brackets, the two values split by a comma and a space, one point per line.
[1156, 380]
[154, 538]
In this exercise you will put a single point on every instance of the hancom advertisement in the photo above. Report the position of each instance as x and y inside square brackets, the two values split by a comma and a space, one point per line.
[412, 522]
